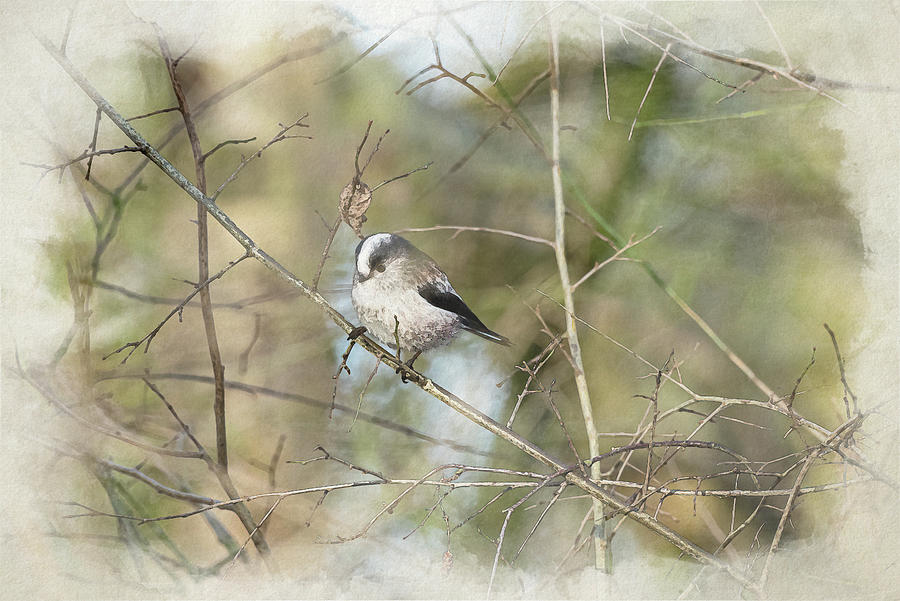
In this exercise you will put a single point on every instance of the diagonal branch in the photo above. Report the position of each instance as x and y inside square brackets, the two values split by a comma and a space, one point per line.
[647, 91]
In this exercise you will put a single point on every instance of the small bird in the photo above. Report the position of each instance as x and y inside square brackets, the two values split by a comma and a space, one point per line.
[399, 289]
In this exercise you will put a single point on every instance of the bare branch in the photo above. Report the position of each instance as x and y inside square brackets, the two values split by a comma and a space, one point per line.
[362, 393]
[800, 79]
[784, 54]
[160, 488]
[840, 360]
[741, 88]
[355, 191]
[465, 228]
[647, 91]
[152, 113]
[784, 515]
[622, 23]
[88, 154]
[148, 338]
[497, 554]
[93, 145]
[605, 80]
[522, 41]
[207, 154]
[603, 556]
[812, 361]
[41, 385]
[407, 174]
[559, 491]
[69, 21]
[298, 398]
[281, 135]
[444, 73]
[615, 257]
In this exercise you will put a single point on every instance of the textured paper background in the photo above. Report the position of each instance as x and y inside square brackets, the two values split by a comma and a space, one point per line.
[855, 42]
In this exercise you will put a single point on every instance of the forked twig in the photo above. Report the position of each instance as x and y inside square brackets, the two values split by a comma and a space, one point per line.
[281, 135]
[148, 338]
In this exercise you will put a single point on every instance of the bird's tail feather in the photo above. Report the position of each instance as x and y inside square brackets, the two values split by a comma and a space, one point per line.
[489, 335]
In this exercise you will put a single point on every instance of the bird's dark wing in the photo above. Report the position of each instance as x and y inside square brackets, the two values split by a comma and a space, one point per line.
[449, 301]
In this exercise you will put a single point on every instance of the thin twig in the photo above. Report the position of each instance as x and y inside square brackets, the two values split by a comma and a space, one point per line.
[362, 393]
[324, 405]
[508, 513]
[281, 135]
[598, 266]
[152, 113]
[160, 488]
[328, 242]
[789, 504]
[465, 228]
[784, 54]
[605, 79]
[500, 122]
[207, 154]
[148, 338]
[812, 361]
[403, 175]
[840, 360]
[522, 41]
[244, 357]
[93, 146]
[556, 495]
[647, 91]
[88, 154]
[801, 79]
[69, 21]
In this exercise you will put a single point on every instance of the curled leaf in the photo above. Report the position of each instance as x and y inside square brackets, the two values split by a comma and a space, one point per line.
[355, 200]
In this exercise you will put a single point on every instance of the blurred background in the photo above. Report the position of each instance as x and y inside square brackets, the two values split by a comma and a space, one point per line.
[760, 233]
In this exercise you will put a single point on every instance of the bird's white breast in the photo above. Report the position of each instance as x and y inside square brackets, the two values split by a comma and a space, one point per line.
[383, 296]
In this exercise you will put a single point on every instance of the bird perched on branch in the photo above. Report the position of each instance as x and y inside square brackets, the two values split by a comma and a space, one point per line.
[399, 292]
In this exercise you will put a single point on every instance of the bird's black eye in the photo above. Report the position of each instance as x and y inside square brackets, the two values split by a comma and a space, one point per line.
[380, 268]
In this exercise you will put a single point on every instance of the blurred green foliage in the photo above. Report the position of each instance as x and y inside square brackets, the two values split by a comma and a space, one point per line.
[755, 236]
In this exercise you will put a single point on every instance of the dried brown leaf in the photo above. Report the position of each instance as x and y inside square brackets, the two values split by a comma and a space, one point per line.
[355, 200]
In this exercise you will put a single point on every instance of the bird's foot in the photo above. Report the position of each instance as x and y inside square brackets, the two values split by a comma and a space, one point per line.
[357, 332]
[406, 369]
[405, 373]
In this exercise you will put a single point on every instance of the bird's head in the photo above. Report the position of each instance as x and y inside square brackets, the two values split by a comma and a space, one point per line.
[377, 252]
